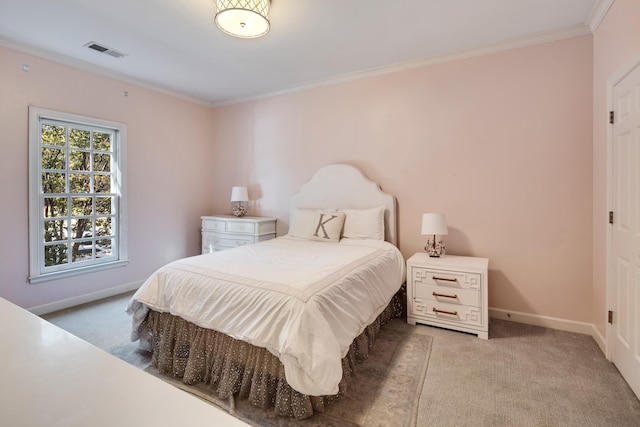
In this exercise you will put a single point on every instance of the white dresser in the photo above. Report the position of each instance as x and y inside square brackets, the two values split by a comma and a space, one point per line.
[449, 292]
[227, 231]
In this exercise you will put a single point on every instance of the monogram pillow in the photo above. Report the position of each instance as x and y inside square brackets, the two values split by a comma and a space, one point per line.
[327, 226]
[301, 222]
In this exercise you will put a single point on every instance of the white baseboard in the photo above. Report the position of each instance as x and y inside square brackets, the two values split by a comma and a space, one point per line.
[83, 299]
[600, 340]
[551, 322]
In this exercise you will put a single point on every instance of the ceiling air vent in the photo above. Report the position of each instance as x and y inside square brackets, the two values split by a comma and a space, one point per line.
[104, 49]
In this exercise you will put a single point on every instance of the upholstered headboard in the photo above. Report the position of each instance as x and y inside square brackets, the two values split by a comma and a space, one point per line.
[342, 186]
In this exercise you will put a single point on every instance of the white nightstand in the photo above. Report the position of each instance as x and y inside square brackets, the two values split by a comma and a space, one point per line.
[227, 231]
[449, 292]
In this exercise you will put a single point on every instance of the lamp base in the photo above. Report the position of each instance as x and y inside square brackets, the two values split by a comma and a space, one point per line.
[434, 248]
[238, 210]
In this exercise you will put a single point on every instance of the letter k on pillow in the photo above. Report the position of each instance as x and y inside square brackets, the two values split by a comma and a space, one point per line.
[328, 227]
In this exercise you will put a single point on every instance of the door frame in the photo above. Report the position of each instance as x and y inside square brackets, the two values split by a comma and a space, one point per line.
[623, 71]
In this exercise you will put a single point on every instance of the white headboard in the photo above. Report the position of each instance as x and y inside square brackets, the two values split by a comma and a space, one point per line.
[343, 186]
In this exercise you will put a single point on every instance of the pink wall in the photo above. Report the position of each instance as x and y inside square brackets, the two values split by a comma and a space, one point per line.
[502, 144]
[615, 43]
[169, 167]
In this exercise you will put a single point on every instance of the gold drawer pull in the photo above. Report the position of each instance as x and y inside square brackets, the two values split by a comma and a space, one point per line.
[446, 279]
[453, 313]
[435, 294]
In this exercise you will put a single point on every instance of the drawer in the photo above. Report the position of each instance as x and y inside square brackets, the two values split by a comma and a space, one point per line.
[241, 227]
[263, 237]
[446, 278]
[231, 241]
[214, 225]
[266, 227]
[447, 294]
[443, 312]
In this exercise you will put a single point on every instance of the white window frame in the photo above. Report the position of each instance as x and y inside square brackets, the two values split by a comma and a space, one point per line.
[38, 272]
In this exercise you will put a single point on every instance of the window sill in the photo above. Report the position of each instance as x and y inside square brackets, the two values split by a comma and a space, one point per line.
[76, 271]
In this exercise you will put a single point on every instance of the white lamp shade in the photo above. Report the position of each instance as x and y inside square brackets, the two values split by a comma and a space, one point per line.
[434, 223]
[243, 18]
[239, 194]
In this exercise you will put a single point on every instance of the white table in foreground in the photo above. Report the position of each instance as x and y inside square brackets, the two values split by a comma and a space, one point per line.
[50, 377]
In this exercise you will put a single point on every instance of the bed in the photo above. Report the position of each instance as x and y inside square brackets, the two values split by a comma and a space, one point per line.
[281, 322]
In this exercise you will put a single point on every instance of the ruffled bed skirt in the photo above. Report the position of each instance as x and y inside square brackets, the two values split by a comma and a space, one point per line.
[232, 367]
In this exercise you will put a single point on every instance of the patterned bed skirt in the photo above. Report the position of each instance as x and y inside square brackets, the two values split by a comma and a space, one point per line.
[232, 367]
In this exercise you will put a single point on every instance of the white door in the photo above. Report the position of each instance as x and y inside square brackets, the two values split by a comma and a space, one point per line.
[625, 256]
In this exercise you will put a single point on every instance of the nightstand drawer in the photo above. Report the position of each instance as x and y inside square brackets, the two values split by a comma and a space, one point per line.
[449, 295]
[232, 240]
[438, 311]
[214, 225]
[450, 278]
[241, 227]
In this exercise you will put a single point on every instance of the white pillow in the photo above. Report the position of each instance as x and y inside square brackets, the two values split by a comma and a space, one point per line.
[301, 221]
[305, 222]
[328, 226]
[364, 223]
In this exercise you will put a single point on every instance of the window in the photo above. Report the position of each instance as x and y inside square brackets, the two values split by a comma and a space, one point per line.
[77, 198]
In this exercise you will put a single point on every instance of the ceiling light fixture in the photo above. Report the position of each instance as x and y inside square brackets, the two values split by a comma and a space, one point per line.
[243, 18]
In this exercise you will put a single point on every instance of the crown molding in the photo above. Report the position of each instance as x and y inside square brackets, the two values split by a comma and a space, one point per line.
[520, 42]
[599, 11]
[65, 60]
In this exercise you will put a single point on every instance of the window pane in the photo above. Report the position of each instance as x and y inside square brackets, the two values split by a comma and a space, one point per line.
[82, 251]
[104, 205]
[102, 162]
[55, 230]
[104, 248]
[102, 141]
[53, 135]
[79, 160]
[81, 227]
[53, 182]
[79, 138]
[102, 183]
[55, 255]
[55, 207]
[81, 206]
[52, 158]
[103, 226]
[79, 183]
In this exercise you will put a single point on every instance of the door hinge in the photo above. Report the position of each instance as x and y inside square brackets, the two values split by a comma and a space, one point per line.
[610, 317]
[610, 217]
[611, 117]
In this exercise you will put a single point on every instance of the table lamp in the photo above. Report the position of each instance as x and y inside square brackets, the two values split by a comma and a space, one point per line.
[239, 198]
[433, 224]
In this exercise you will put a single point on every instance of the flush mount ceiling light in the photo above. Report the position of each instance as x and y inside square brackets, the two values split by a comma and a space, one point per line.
[243, 18]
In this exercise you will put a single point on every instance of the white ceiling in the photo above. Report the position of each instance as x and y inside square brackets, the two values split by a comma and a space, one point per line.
[174, 45]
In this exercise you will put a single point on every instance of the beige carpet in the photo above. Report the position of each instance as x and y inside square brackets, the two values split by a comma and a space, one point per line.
[522, 376]
[385, 390]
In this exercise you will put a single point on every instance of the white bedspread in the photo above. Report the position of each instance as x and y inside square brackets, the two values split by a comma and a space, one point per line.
[304, 301]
